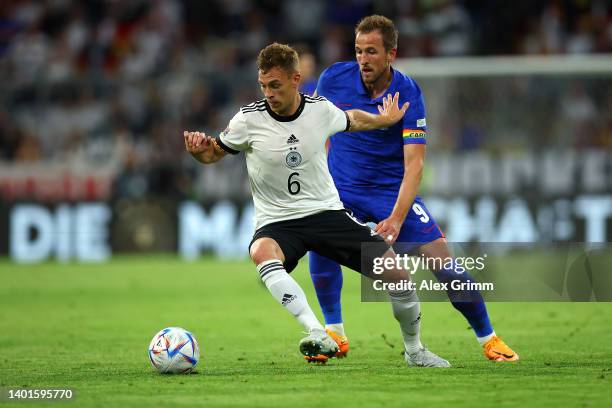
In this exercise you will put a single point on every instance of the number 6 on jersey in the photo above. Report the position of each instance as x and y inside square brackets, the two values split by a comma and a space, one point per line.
[293, 186]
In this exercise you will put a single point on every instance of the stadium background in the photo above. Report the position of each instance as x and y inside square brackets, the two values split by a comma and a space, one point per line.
[93, 101]
[95, 95]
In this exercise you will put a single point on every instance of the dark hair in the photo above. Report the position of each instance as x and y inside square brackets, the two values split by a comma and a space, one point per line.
[382, 23]
[278, 55]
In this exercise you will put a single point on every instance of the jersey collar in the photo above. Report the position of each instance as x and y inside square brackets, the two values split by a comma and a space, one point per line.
[291, 118]
[361, 89]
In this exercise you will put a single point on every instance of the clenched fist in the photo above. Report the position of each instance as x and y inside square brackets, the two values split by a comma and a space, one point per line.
[201, 147]
[197, 142]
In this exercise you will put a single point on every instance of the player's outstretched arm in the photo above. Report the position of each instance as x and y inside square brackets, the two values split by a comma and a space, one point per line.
[414, 159]
[202, 147]
[389, 114]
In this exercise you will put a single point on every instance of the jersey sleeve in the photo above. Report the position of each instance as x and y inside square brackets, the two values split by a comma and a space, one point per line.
[414, 125]
[235, 138]
[338, 120]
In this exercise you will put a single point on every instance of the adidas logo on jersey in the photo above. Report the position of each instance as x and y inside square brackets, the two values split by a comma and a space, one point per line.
[292, 139]
[287, 298]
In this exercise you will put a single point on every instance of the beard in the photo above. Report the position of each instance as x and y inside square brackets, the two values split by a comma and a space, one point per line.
[373, 80]
[373, 77]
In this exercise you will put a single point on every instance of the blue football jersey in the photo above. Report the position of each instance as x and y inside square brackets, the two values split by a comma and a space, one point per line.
[373, 158]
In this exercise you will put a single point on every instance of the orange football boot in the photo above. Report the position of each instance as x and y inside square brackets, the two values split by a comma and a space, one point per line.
[343, 349]
[495, 349]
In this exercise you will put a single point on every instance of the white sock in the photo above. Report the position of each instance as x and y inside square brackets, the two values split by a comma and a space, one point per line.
[407, 311]
[288, 293]
[337, 328]
[483, 340]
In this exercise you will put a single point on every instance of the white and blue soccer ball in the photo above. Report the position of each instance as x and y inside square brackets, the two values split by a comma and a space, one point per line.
[174, 350]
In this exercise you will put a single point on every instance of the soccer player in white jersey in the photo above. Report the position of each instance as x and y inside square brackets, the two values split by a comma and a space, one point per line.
[297, 207]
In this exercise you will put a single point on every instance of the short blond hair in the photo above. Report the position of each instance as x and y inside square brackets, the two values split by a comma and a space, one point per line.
[280, 56]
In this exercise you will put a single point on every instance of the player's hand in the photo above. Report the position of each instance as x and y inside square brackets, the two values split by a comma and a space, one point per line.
[198, 143]
[389, 229]
[390, 112]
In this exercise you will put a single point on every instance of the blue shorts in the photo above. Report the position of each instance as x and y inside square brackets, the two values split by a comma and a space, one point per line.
[374, 205]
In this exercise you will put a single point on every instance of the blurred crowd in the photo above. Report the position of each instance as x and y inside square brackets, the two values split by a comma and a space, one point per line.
[115, 82]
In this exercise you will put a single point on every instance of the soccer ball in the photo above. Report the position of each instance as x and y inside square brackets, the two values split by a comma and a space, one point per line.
[174, 350]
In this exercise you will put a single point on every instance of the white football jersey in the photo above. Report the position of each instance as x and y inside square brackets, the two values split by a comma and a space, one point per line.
[286, 157]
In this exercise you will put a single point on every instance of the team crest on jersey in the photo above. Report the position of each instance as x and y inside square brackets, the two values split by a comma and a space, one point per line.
[293, 159]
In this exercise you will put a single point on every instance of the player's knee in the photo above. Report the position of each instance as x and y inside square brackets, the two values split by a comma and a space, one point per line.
[391, 270]
[396, 275]
[437, 249]
[265, 249]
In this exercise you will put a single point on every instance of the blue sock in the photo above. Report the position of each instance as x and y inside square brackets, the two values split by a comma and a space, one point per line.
[469, 302]
[327, 279]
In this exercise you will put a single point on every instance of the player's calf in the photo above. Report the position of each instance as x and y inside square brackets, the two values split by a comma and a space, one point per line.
[407, 311]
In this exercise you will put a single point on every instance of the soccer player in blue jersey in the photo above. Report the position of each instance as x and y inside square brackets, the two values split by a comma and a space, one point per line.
[378, 173]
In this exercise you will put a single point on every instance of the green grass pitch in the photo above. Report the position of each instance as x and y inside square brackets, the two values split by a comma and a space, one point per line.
[87, 327]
